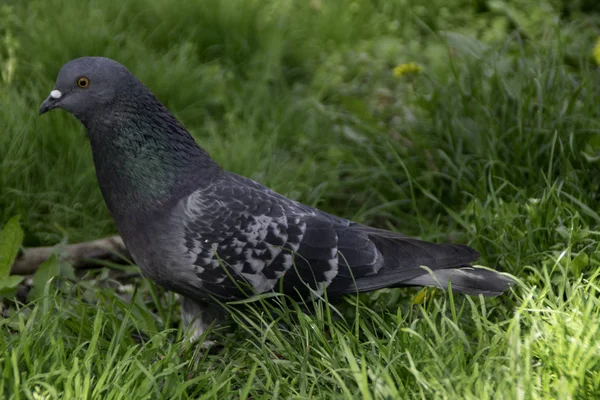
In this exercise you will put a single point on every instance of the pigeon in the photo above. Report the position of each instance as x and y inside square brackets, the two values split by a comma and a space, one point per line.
[213, 236]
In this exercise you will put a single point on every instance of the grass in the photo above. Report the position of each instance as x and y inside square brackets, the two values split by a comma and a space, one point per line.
[495, 144]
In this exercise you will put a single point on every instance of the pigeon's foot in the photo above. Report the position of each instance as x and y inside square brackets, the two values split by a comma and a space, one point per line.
[197, 317]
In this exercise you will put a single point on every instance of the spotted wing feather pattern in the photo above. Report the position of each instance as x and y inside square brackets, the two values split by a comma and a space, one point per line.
[243, 237]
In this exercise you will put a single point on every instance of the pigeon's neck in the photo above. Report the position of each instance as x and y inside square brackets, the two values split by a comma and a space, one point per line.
[145, 159]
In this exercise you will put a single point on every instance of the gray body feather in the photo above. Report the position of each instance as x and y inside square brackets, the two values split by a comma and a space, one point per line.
[235, 238]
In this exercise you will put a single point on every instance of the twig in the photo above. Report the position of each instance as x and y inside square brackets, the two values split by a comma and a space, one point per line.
[80, 255]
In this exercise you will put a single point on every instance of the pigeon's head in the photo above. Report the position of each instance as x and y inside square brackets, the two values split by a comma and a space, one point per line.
[87, 85]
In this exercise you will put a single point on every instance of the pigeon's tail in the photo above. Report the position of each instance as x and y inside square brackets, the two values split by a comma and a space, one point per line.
[412, 262]
[468, 280]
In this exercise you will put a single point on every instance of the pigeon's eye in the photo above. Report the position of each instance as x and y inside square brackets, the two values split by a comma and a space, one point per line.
[83, 82]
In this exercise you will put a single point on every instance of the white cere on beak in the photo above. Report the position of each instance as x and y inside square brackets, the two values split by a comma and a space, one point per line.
[55, 94]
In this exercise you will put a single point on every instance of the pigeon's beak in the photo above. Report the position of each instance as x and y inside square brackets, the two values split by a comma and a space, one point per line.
[51, 102]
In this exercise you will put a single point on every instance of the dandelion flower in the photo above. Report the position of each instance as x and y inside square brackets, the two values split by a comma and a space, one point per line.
[406, 69]
[38, 395]
[597, 52]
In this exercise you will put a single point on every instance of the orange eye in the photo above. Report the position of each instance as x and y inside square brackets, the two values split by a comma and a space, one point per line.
[83, 82]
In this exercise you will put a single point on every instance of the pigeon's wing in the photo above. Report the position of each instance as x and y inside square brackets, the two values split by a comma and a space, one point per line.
[238, 237]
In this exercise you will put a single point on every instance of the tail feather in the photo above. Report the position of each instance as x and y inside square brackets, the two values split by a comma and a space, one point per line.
[403, 261]
[468, 280]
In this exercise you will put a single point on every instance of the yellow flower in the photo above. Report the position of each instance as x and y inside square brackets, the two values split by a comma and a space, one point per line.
[407, 69]
[597, 52]
[38, 395]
